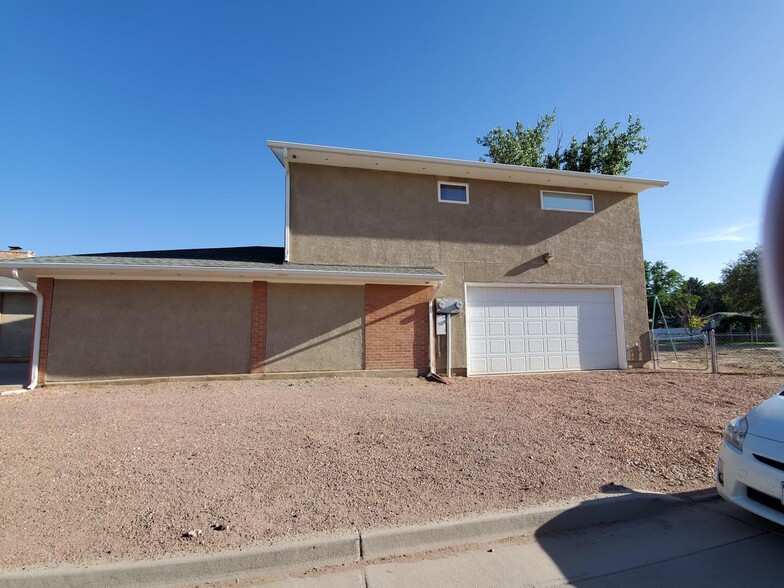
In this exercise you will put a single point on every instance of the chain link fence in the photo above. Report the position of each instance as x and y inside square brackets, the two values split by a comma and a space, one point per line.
[681, 351]
[728, 353]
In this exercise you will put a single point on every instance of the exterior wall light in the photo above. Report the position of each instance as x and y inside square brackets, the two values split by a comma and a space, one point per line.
[548, 257]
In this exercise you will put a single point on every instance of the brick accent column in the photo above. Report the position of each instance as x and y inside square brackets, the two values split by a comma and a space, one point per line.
[396, 327]
[258, 329]
[46, 287]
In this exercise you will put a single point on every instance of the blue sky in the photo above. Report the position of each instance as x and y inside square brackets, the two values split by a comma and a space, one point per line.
[141, 125]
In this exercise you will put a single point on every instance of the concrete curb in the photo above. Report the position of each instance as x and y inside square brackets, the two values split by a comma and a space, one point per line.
[391, 373]
[315, 552]
[701, 495]
[557, 517]
[354, 547]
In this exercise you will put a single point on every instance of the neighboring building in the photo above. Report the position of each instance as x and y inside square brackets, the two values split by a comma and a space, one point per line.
[17, 306]
[549, 264]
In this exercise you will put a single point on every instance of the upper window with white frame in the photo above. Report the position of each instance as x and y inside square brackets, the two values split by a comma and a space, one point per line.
[453, 192]
[567, 201]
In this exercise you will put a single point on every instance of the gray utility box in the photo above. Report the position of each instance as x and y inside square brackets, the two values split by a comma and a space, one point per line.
[449, 306]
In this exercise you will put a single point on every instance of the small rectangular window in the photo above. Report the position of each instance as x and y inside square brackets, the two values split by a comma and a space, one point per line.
[567, 201]
[454, 193]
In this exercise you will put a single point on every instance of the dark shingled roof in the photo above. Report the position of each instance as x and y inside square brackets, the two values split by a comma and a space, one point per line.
[225, 257]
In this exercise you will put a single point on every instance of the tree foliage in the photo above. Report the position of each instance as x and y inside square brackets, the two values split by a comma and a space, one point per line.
[605, 150]
[687, 302]
[741, 279]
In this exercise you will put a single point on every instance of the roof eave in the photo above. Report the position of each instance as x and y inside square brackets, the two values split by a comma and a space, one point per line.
[170, 272]
[365, 159]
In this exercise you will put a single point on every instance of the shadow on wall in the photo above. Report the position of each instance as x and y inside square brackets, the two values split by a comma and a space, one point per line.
[323, 341]
[532, 263]
[14, 374]
[314, 327]
[641, 353]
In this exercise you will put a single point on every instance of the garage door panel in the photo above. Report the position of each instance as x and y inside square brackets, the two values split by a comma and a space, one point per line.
[517, 365]
[554, 346]
[535, 329]
[555, 363]
[498, 365]
[571, 311]
[477, 347]
[516, 345]
[478, 365]
[516, 311]
[476, 312]
[496, 328]
[498, 346]
[496, 311]
[477, 329]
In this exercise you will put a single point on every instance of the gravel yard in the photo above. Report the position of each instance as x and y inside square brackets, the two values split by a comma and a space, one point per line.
[103, 473]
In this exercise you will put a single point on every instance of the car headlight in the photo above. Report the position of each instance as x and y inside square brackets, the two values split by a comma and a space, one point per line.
[735, 432]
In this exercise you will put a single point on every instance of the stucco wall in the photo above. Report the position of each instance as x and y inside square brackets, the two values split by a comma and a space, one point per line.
[109, 329]
[16, 324]
[350, 216]
[314, 328]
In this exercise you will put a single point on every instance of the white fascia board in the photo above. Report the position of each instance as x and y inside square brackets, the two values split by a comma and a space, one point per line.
[102, 271]
[456, 168]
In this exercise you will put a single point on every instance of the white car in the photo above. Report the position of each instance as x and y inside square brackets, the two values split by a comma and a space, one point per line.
[750, 467]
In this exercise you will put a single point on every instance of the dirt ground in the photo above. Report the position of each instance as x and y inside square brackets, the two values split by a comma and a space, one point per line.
[731, 359]
[104, 473]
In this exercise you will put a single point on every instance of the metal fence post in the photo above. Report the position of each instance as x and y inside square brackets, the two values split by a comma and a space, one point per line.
[714, 352]
[652, 342]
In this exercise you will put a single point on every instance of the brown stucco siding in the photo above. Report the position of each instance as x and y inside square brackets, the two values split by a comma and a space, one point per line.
[352, 216]
[396, 327]
[258, 329]
[314, 328]
[116, 329]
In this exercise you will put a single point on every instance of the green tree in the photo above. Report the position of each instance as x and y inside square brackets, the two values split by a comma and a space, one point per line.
[666, 284]
[521, 146]
[741, 283]
[606, 150]
[709, 296]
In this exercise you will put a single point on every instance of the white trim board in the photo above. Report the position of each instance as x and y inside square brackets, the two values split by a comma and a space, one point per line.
[456, 168]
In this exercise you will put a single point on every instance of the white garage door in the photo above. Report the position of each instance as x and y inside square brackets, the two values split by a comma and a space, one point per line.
[535, 329]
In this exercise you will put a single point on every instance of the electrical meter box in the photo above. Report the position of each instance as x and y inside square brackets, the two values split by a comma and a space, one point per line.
[449, 306]
[440, 324]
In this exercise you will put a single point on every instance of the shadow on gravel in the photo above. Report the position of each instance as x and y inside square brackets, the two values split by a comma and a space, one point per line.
[648, 539]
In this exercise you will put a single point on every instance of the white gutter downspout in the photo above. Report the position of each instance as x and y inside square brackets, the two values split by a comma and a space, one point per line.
[433, 339]
[39, 310]
[288, 205]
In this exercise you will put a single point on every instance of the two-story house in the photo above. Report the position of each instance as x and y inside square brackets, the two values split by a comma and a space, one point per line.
[547, 266]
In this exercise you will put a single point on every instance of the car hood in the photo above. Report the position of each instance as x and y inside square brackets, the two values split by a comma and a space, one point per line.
[767, 419]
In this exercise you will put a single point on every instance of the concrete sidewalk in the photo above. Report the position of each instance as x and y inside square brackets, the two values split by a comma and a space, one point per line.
[702, 544]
